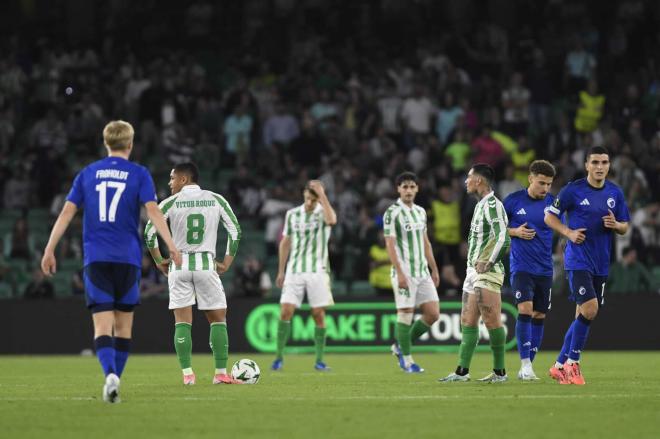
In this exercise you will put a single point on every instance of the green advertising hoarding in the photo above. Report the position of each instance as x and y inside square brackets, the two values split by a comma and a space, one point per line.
[364, 327]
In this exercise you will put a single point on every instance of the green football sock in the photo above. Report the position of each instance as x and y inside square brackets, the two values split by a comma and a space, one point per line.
[183, 344]
[283, 331]
[319, 342]
[219, 342]
[403, 337]
[418, 329]
[468, 345]
[497, 340]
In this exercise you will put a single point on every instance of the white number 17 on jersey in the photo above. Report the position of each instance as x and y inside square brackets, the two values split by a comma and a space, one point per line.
[102, 188]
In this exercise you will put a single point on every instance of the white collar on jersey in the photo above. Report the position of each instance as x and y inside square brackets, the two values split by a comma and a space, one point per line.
[402, 204]
[488, 195]
[317, 209]
[191, 188]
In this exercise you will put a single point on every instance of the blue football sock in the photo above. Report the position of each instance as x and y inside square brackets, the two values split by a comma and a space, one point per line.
[524, 335]
[105, 353]
[563, 354]
[580, 333]
[122, 348]
[537, 336]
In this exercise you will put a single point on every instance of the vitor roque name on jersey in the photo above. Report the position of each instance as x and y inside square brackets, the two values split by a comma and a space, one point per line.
[194, 203]
[112, 173]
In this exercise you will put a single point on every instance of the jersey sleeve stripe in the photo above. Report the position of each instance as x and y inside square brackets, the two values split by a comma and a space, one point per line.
[231, 225]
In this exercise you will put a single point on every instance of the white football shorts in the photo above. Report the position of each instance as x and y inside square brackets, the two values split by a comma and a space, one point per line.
[316, 285]
[205, 286]
[420, 290]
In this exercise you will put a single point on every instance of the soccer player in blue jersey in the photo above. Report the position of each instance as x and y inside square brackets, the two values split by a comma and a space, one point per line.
[111, 192]
[594, 209]
[531, 260]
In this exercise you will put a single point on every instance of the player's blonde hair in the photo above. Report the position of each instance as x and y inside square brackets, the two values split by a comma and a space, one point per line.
[118, 135]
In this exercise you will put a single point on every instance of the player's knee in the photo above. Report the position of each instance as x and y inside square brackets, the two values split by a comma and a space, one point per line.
[430, 317]
[589, 312]
[286, 313]
[404, 316]
[525, 308]
[318, 314]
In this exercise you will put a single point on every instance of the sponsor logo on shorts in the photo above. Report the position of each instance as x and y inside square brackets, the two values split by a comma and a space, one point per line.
[518, 294]
[582, 291]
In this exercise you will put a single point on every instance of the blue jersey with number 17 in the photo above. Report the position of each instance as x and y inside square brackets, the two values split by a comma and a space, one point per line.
[111, 192]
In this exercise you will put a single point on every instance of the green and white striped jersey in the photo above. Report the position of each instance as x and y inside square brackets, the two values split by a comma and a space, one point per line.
[489, 239]
[194, 215]
[408, 226]
[309, 236]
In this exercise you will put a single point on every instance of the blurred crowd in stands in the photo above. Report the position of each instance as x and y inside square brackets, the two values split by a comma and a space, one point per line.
[266, 95]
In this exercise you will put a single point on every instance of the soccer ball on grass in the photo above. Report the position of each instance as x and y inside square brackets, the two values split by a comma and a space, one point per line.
[246, 371]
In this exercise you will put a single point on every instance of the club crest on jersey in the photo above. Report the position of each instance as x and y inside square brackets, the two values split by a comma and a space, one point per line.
[611, 203]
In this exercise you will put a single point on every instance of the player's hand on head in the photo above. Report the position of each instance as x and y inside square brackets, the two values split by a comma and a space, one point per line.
[609, 220]
[48, 264]
[317, 186]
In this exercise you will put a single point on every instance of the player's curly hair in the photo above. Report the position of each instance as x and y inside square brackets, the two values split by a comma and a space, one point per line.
[542, 167]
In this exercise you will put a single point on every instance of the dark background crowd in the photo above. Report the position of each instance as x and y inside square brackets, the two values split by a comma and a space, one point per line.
[264, 95]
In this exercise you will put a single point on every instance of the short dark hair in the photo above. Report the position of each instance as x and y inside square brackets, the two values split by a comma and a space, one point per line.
[190, 169]
[406, 176]
[596, 150]
[542, 167]
[486, 171]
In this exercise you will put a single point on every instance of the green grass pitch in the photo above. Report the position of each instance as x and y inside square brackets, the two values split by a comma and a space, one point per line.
[365, 396]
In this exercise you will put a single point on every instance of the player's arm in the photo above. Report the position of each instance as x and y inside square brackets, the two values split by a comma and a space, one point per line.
[158, 220]
[498, 223]
[233, 228]
[428, 252]
[553, 212]
[390, 242]
[610, 222]
[48, 261]
[576, 236]
[283, 253]
[329, 215]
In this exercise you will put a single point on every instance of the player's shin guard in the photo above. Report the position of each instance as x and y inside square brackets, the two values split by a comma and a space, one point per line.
[403, 337]
[122, 349]
[497, 341]
[563, 354]
[524, 335]
[283, 331]
[183, 344]
[105, 352]
[319, 343]
[468, 344]
[580, 334]
[219, 342]
[418, 329]
[537, 337]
